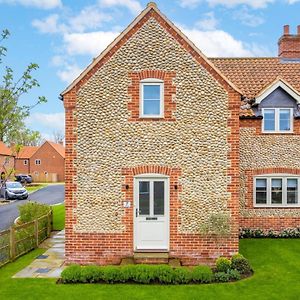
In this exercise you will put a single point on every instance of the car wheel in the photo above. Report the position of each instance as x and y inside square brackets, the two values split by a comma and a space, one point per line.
[26, 197]
[6, 197]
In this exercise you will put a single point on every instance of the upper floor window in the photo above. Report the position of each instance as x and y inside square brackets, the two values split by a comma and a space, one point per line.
[38, 162]
[276, 190]
[277, 120]
[152, 98]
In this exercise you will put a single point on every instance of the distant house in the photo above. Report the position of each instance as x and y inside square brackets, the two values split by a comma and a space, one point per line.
[43, 163]
[6, 159]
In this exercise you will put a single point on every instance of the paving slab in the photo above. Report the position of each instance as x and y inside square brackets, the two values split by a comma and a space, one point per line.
[51, 263]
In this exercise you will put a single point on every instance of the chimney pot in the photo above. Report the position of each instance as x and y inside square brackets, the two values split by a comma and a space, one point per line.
[286, 29]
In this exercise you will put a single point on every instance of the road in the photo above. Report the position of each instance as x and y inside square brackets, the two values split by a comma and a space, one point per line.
[51, 194]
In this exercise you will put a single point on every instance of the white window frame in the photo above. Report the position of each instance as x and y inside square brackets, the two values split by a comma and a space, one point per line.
[284, 178]
[277, 120]
[25, 162]
[151, 81]
[38, 160]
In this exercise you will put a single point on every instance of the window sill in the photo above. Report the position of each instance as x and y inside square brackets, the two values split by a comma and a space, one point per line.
[277, 206]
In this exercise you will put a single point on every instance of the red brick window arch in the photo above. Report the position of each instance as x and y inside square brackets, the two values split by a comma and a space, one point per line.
[151, 93]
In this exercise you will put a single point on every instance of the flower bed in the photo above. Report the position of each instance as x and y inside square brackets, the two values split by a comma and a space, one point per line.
[226, 270]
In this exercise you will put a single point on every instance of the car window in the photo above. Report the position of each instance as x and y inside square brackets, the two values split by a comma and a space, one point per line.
[14, 185]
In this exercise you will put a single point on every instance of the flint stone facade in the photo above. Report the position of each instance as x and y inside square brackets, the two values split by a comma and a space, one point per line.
[104, 147]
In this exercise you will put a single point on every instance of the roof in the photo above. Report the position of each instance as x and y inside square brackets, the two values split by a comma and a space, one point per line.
[130, 30]
[27, 151]
[59, 148]
[4, 150]
[252, 75]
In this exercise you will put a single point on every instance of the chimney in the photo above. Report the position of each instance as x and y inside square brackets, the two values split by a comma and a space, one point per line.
[289, 44]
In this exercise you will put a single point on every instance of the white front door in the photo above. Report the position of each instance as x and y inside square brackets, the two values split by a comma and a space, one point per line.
[151, 213]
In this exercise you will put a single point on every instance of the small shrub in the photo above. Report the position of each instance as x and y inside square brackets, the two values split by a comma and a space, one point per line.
[164, 274]
[91, 274]
[32, 210]
[234, 275]
[202, 274]
[223, 264]
[143, 274]
[182, 275]
[112, 274]
[221, 277]
[71, 274]
[241, 264]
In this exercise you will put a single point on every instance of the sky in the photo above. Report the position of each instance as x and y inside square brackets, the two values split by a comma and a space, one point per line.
[63, 36]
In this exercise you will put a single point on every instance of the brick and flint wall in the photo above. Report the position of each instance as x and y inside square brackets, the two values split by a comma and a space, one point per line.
[106, 144]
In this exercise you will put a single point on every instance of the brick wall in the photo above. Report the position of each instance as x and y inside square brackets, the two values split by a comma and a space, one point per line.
[20, 167]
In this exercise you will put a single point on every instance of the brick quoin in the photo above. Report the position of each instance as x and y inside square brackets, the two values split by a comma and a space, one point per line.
[134, 92]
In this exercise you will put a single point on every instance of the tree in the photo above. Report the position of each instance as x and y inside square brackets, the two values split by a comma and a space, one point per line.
[26, 137]
[58, 136]
[12, 114]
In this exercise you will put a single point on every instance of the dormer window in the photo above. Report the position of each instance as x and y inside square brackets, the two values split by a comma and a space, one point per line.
[277, 120]
[152, 98]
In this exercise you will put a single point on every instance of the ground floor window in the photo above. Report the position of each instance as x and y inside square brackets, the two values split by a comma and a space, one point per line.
[273, 190]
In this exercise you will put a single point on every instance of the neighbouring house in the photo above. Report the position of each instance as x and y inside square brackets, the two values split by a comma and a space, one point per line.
[6, 160]
[45, 163]
[161, 140]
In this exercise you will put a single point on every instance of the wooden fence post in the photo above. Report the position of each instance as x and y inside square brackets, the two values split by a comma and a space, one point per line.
[49, 223]
[36, 232]
[12, 243]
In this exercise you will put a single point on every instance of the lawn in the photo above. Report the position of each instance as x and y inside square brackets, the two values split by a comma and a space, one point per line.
[276, 264]
[35, 187]
[58, 216]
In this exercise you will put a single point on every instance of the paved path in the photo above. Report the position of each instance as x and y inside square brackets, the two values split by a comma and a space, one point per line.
[51, 194]
[51, 263]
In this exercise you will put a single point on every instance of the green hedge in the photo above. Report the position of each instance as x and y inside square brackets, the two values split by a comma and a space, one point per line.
[163, 274]
[288, 233]
[32, 210]
[226, 270]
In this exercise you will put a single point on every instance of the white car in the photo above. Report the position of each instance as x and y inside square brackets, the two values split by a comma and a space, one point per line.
[13, 190]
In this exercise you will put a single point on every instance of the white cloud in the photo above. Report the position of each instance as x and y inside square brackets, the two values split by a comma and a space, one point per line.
[292, 1]
[89, 18]
[216, 43]
[43, 4]
[208, 22]
[247, 18]
[91, 43]
[48, 25]
[228, 3]
[69, 72]
[133, 5]
[49, 122]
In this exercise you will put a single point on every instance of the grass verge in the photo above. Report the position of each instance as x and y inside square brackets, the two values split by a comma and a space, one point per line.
[35, 187]
[58, 216]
